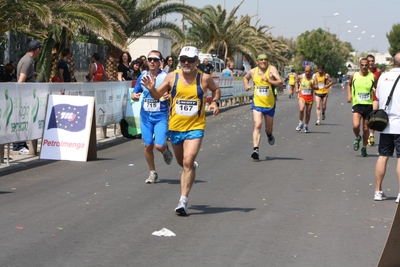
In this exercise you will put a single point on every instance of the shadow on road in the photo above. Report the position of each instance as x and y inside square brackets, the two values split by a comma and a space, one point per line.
[206, 209]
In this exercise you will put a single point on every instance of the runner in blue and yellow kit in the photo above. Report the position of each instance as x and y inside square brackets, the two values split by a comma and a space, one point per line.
[360, 94]
[324, 82]
[187, 88]
[153, 116]
[264, 77]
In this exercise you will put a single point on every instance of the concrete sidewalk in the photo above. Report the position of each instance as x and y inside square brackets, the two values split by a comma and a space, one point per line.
[17, 159]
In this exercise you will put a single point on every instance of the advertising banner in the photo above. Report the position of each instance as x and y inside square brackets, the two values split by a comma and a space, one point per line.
[68, 128]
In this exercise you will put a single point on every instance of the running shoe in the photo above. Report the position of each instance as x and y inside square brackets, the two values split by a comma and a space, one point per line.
[398, 198]
[271, 140]
[181, 208]
[364, 152]
[299, 127]
[379, 196]
[318, 122]
[153, 176]
[255, 155]
[306, 129]
[167, 154]
[24, 151]
[356, 144]
[323, 116]
[371, 140]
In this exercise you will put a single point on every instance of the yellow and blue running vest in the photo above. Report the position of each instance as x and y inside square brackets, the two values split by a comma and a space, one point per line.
[187, 110]
[292, 78]
[362, 89]
[263, 94]
[322, 89]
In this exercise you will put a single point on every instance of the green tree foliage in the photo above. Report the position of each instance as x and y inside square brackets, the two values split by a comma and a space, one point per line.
[322, 47]
[394, 39]
[216, 31]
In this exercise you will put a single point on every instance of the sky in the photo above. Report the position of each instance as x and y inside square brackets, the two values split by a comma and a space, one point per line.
[362, 23]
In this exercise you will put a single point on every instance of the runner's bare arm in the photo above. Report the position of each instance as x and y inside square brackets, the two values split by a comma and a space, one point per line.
[149, 82]
[275, 77]
[349, 97]
[329, 79]
[246, 79]
[216, 94]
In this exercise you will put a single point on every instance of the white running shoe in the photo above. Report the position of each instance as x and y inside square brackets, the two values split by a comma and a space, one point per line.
[379, 196]
[306, 129]
[24, 151]
[398, 198]
[181, 208]
[299, 127]
[318, 122]
[153, 176]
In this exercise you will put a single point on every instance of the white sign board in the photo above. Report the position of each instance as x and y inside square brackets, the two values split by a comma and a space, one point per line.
[68, 127]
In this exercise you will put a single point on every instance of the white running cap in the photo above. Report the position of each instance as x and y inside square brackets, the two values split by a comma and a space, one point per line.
[189, 51]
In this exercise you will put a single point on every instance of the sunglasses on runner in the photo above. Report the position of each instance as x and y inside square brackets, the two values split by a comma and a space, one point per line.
[188, 59]
[155, 59]
[364, 65]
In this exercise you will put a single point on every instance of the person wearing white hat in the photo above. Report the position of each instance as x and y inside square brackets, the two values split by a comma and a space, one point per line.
[187, 87]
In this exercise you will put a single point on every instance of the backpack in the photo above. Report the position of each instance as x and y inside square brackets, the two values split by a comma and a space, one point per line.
[98, 75]
[125, 130]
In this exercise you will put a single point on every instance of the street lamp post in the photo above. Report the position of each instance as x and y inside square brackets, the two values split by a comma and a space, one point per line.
[334, 15]
[347, 22]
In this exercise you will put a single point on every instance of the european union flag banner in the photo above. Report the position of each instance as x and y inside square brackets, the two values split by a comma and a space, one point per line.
[68, 117]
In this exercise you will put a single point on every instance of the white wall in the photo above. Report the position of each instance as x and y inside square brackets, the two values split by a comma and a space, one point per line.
[145, 44]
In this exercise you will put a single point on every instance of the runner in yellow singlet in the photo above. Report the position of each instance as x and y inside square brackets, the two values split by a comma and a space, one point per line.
[360, 94]
[264, 78]
[324, 82]
[291, 78]
[187, 87]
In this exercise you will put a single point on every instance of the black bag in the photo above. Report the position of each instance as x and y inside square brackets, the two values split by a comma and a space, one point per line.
[379, 119]
[125, 132]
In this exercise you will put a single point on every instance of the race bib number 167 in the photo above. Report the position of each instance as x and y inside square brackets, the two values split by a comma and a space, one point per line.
[186, 107]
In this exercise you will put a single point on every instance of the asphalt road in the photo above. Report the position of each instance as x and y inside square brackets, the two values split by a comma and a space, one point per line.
[308, 202]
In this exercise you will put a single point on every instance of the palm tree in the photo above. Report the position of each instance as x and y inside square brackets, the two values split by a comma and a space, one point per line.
[215, 31]
[64, 20]
[146, 16]
[17, 15]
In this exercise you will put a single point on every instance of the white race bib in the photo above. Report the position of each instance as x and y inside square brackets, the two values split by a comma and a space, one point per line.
[263, 90]
[306, 91]
[321, 85]
[151, 105]
[364, 96]
[186, 107]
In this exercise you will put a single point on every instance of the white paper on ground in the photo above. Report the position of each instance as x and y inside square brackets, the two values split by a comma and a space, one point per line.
[164, 232]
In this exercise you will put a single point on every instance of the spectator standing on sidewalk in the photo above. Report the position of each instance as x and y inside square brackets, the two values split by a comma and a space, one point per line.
[26, 74]
[64, 71]
[389, 139]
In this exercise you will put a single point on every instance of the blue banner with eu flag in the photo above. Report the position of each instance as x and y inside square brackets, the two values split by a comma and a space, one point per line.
[68, 117]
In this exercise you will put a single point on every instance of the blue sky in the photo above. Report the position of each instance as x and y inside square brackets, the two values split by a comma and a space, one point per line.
[370, 20]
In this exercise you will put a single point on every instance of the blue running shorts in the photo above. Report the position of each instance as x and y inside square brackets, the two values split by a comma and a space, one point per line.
[154, 128]
[177, 138]
[266, 111]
